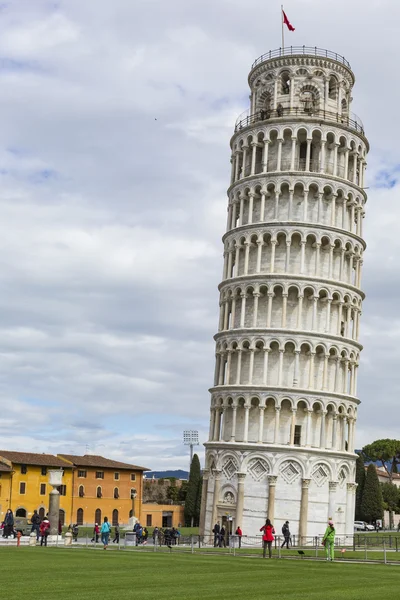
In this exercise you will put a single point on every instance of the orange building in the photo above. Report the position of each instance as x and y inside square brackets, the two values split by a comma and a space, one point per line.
[104, 488]
[24, 483]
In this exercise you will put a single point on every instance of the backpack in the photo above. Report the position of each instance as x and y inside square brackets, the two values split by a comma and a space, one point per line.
[284, 529]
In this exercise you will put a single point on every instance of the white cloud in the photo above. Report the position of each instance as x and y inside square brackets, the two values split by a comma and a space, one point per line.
[115, 121]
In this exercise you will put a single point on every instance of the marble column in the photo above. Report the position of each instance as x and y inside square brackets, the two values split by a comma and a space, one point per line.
[277, 420]
[217, 487]
[271, 496]
[350, 507]
[204, 491]
[261, 424]
[332, 500]
[233, 432]
[305, 484]
[240, 499]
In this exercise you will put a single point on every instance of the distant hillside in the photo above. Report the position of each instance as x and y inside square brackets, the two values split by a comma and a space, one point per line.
[178, 474]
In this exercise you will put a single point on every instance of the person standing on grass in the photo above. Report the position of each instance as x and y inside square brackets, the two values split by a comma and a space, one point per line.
[8, 523]
[216, 530]
[239, 534]
[116, 534]
[105, 532]
[222, 540]
[268, 537]
[35, 520]
[96, 533]
[329, 541]
[286, 534]
[44, 531]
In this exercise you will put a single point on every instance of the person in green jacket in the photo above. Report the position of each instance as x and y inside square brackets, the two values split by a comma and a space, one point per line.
[329, 541]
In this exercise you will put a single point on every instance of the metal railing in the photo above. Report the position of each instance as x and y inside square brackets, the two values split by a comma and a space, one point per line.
[347, 547]
[352, 120]
[301, 50]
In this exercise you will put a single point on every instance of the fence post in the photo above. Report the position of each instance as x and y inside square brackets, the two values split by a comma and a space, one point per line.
[87, 540]
[384, 550]
[365, 543]
[191, 543]
[316, 546]
[397, 545]
[279, 551]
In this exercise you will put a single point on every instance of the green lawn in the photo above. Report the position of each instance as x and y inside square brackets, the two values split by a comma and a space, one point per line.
[37, 573]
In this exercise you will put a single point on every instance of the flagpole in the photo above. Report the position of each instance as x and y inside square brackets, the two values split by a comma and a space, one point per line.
[283, 33]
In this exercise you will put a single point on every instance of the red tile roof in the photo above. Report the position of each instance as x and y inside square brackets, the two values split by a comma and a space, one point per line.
[4, 468]
[91, 460]
[30, 458]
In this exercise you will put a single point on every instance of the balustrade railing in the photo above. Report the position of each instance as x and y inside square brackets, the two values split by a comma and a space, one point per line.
[301, 50]
[352, 121]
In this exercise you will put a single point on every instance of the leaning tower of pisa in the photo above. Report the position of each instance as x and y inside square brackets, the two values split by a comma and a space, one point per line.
[284, 400]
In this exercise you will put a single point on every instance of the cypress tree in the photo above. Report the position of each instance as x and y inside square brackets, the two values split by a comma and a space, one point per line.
[372, 501]
[360, 480]
[192, 502]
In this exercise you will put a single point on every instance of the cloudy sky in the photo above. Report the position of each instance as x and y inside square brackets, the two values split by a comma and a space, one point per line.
[115, 120]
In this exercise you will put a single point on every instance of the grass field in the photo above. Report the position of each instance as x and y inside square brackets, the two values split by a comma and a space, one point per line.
[35, 573]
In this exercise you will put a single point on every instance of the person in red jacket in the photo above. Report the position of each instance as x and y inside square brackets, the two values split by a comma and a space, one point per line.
[44, 531]
[268, 537]
[239, 533]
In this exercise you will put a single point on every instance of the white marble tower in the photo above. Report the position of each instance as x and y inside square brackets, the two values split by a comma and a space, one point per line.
[284, 400]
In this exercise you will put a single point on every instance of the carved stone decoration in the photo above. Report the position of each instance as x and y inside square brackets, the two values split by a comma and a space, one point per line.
[290, 471]
[342, 476]
[320, 475]
[229, 468]
[229, 498]
[258, 469]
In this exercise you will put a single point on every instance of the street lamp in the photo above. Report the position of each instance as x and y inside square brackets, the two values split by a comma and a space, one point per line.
[191, 438]
[55, 480]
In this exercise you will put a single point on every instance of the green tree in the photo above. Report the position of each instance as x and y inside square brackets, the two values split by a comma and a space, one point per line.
[192, 512]
[172, 493]
[360, 480]
[183, 491]
[387, 453]
[198, 500]
[391, 499]
[372, 501]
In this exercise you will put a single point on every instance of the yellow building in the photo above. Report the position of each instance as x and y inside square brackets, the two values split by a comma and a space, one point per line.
[24, 484]
[162, 515]
[104, 488]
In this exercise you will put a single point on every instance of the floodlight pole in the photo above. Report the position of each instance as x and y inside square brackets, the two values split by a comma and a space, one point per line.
[191, 439]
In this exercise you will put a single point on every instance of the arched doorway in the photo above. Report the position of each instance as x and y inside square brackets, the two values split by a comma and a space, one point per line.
[79, 516]
[20, 512]
[97, 516]
[115, 517]
[42, 512]
[61, 516]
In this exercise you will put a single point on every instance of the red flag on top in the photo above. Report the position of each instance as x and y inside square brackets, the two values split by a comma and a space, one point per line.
[287, 22]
